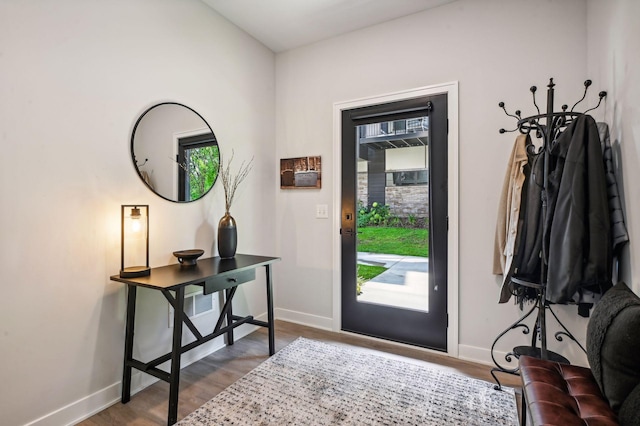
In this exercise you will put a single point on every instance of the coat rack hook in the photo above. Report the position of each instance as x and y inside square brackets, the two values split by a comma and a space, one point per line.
[143, 163]
[533, 90]
[587, 83]
[601, 96]
[516, 116]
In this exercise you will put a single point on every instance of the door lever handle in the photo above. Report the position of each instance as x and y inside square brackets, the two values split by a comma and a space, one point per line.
[347, 231]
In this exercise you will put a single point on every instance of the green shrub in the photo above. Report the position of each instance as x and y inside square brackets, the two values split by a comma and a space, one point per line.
[375, 215]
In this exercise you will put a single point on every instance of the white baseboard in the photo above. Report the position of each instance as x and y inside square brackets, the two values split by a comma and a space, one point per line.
[81, 409]
[301, 318]
[88, 406]
[483, 356]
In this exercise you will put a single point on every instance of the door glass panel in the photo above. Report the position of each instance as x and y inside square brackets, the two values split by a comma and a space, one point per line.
[393, 213]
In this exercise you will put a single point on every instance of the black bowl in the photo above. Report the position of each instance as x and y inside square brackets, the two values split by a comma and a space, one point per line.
[188, 257]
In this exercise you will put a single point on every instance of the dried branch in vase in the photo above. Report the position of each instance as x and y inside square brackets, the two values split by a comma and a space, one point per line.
[231, 182]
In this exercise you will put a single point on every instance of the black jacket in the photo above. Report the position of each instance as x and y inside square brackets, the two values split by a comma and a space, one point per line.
[619, 234]
[579, 230]
[528, 258]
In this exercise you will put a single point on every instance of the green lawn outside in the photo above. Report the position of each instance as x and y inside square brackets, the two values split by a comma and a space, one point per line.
[402, 241]
[367, 272]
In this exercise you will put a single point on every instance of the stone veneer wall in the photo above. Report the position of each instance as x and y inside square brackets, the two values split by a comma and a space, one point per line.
[404, 201]
[363, 189]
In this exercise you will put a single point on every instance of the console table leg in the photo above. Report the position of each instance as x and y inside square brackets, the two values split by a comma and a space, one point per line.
[229, 296]
[272, 345]
[176, 351]
[128, 343]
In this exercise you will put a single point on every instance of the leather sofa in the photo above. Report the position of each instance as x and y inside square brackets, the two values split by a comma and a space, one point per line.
[607, 393]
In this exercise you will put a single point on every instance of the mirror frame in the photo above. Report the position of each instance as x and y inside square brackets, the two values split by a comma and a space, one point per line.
[133, 157]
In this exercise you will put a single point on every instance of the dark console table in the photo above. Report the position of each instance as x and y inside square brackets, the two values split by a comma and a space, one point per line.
[213, 274]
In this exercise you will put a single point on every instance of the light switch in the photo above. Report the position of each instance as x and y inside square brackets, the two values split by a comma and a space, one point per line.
[322, 211]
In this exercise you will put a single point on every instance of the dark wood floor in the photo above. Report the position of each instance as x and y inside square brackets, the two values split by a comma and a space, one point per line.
[202, 380]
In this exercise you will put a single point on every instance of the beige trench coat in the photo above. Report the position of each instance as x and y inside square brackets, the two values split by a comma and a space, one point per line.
[506, 239]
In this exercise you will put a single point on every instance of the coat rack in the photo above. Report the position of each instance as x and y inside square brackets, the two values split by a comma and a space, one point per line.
[547, 127]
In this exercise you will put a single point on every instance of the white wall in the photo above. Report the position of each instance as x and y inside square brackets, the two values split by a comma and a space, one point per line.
[496, 49]
[74, 76]
[613, 61]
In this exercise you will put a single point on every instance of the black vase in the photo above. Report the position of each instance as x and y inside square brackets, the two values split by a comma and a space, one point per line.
[227, 237]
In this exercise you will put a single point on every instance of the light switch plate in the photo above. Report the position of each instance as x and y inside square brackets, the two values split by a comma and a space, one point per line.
[322, 211]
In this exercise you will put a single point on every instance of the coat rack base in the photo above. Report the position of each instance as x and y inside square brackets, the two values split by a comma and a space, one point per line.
[540, 308]
[518, 351]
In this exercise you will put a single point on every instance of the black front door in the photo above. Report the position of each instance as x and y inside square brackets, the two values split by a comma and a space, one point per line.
[392, 155]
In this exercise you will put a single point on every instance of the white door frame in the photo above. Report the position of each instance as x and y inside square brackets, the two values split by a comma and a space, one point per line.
[451, 89]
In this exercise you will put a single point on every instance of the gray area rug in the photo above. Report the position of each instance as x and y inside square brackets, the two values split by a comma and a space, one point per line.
[313, 383]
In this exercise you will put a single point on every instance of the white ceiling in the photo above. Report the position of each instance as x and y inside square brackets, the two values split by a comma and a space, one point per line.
[285, 24]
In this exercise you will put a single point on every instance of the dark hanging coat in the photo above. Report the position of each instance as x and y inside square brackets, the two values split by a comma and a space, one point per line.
[579, 231]
[528, 259]
[619, 234]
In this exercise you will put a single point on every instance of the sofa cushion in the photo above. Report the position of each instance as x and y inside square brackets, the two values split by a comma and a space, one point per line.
[563, 394]
[630, 411]
[613, 344]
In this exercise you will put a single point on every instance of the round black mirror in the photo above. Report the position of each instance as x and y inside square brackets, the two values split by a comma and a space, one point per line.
[175, 152]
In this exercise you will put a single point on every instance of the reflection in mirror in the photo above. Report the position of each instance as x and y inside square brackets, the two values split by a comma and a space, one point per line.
[175, 152]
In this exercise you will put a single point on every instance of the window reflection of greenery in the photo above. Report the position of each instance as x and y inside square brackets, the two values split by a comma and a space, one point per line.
[202, 165]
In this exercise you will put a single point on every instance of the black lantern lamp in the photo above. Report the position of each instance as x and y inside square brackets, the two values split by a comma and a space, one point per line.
[134, 242]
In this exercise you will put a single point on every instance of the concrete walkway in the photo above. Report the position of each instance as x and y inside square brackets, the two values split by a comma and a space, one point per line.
[405, 284]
